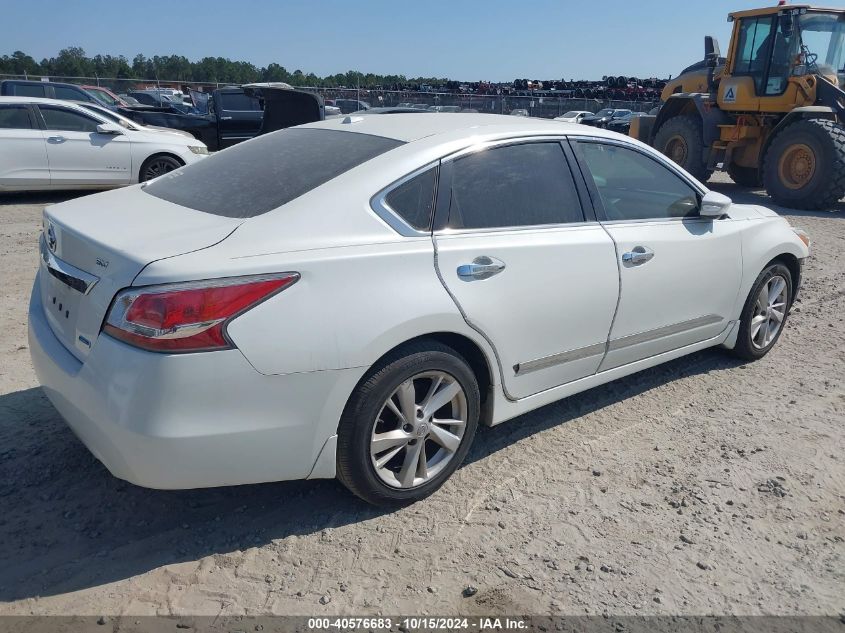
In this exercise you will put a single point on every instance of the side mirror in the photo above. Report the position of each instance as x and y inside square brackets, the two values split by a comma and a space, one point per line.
[109, 128]
[711, 50]
[714, 205]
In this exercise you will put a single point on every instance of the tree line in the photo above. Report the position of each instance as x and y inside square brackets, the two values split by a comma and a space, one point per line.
[73, 62]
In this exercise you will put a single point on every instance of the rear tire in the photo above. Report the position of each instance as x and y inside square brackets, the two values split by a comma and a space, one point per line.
[157, 165]
[745, 176]
[760, 325]
[367, 463]
[682, 139]
[804, 166]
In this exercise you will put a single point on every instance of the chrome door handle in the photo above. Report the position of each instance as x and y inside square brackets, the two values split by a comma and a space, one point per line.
[225, 118]
[637, 255]
[482, 267]
[56, 139]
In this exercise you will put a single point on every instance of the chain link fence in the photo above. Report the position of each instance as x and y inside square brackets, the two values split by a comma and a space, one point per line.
[538, 104]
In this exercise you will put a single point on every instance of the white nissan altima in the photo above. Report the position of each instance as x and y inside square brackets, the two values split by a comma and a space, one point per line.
[352, 297]
[51, 144]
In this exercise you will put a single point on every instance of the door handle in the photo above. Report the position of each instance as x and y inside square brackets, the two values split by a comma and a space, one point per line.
[637, 256]
[56, 139]
[225, 118]
[482, 267]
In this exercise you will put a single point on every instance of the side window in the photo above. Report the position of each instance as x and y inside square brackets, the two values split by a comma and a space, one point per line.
[70, 94]
[633, 186]
[29, 90]
[755, 40]
[67, 120]
[516, 185]
[238, 102]
[413, 200]
[14, 117]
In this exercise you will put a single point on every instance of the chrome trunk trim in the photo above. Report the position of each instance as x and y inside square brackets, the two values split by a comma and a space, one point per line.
[69, 275]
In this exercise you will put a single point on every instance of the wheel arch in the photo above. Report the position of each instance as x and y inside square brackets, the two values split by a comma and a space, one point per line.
[683, 104]
[793, 264]
[470, 350]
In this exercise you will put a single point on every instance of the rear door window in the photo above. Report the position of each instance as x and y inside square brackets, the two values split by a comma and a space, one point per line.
[516, 185]
[257, 176]
[238, 102]
[71, 94]
[28, 90]
[14, 117]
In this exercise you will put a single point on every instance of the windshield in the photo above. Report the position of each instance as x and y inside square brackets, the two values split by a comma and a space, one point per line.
[823, 36]
[605, 112]
[268, 171]
[111, 116]
[571, 114]
[101, 96]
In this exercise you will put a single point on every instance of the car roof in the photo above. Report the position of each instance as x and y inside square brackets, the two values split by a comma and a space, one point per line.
[413, 127]
[43, 100]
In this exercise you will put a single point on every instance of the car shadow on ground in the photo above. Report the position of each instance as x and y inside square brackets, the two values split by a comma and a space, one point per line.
[42, 197]
[67, 524]
[745, 195]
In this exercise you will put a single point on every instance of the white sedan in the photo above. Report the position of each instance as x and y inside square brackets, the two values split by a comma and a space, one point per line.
[352, 297]
[51, 144]
[573, 116]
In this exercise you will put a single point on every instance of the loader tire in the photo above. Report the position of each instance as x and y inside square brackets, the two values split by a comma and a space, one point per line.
[681, 139]
[804, 166]
[745, 176]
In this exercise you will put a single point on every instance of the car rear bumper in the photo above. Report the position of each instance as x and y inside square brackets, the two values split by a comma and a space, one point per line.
[190, 420]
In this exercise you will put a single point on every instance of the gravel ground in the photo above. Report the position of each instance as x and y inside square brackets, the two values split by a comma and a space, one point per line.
[704, 486]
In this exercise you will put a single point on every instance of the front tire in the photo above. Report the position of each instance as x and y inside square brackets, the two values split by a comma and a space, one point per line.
[682, 139]
[158, 165]
[805, 165]
[408, 425]
[764, 313]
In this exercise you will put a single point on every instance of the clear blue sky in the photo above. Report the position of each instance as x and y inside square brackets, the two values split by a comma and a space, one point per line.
[496, 40]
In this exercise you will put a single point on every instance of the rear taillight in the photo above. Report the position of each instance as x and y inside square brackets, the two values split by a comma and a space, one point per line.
[189, 317]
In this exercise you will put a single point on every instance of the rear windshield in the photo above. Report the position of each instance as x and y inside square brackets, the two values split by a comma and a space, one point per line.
[263, 174]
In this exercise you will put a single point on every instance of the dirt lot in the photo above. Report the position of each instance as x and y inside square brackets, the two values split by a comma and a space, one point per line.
[704, 486]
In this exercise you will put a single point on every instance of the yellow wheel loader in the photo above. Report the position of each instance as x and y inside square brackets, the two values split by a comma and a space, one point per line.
[771, 113]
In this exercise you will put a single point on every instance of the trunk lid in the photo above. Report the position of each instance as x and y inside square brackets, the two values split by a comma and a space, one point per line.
[94, 246]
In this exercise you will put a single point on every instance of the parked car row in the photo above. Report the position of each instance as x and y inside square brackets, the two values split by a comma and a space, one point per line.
[219, 119]
[190, 330]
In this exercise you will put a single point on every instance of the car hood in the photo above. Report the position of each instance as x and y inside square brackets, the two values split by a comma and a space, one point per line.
[169, 136]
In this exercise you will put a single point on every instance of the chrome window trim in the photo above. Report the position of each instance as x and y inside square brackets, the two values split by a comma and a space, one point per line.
[514, 140]
[379, 206]
[447, 232]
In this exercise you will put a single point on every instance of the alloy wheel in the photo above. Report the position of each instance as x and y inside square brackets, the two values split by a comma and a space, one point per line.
[156, 168]
[418, 429]
[769, 312]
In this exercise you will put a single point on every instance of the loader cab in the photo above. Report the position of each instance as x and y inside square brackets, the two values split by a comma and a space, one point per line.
[773, 53]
